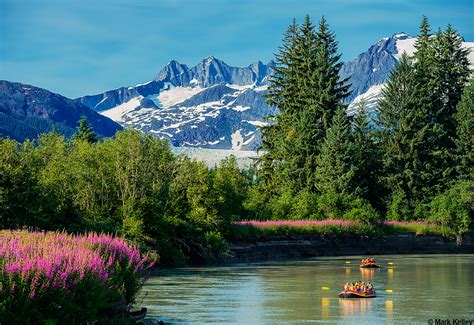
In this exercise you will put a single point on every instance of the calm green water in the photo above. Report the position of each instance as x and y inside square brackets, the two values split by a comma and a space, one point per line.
[424, 287]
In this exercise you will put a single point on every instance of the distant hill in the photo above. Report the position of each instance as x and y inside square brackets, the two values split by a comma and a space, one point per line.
[26, 111]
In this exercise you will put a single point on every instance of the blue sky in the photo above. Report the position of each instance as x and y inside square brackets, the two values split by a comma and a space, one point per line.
[89, 46]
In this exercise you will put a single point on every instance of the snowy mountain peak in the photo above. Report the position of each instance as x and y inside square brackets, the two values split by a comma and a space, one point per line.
[400, 36]
[215, 105]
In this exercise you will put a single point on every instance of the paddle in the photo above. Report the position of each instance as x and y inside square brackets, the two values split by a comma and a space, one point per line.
[332, 289]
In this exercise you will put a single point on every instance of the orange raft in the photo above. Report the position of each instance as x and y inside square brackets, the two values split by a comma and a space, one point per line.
[370, 265]
[357, 294]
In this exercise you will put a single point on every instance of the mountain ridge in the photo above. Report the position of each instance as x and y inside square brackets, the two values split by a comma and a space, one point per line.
[27, 111]
[215, 105]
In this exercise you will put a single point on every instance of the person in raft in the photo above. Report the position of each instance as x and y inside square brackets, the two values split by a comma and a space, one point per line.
[359, 286]
[367, 260]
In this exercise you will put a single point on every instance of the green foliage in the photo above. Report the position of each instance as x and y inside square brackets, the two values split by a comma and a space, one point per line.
[454, 208]
[306, 89]
[19, 184]
[421, 131]
[231, 188]
[335, 171]
[305, 206]
[404, 124]
[249, 232]
[131, 184]
[85, 132]
[367, 157]
[361, 210]
[464, 152]
[332, 205]
[399, 207]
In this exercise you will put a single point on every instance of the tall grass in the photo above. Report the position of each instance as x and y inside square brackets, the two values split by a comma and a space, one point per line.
[251, 230]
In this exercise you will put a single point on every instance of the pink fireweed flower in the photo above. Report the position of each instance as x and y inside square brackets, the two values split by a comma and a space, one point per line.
[297, 223]
[42, 260]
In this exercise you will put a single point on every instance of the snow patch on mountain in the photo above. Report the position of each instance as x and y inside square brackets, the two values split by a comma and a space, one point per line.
[176, 95]
[119, 112]
[237, 140]
[405, 46]
[370, 97]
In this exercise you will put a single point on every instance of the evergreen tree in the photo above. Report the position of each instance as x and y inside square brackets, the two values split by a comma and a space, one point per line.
[404, 125]
[464, 153]
[85, 132]
[326, 94]
[307, 90]
[423, 47]
[335, 172]
[281, 91]
[442, 69]
[367, 156]
[330, 89]
[449, 73]
[304, 127]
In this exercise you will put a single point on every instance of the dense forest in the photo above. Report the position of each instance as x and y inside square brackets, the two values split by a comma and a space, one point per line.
[411, 160]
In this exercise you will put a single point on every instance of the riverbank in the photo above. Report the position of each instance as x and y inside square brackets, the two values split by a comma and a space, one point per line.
[303, 245]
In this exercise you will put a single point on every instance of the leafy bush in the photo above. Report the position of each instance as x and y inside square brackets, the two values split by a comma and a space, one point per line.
[67, 279]
[454, 208]
[331, 205]
[304, 206]
[361, 210]
[399, 207]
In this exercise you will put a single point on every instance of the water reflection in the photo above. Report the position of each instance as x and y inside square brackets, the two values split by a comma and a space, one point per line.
[325, 303]
[389, 306]
[368, 274]
[355, 307]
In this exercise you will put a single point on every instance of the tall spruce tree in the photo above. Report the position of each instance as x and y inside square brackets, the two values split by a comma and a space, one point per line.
[307, 90]
[442, 69]
[304, 130]
[423, 48]
[281, 93]
[335, 172]
[330, 89]
[449, 74]
[366, 156]
[327, 93]
[464, 152]
[85, 132]
[404, 124]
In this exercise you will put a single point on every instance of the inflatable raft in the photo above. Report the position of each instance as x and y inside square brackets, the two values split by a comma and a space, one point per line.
[357, 294]
[370, 265]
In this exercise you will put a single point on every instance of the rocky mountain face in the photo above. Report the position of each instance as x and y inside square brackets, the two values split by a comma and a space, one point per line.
[211, 105]
[373, 66]
[214, 105]
[26, 111]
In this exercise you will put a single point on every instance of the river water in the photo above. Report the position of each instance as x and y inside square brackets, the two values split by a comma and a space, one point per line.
[425, 287]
